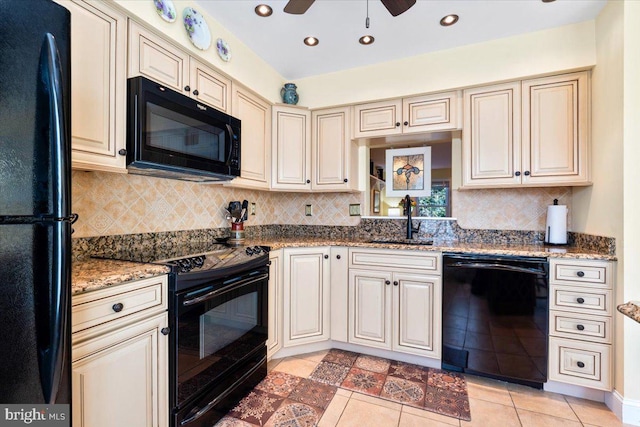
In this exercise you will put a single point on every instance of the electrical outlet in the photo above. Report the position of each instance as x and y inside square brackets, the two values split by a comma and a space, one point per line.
[253, 208]
[308, 211]
[354, 210]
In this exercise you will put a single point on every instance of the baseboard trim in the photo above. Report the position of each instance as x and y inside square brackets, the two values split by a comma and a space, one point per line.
[626, 409]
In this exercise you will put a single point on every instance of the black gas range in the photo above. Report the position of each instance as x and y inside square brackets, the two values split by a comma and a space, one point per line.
[218, 325]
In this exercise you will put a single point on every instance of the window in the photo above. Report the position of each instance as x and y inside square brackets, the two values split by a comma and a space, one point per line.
[438, 204]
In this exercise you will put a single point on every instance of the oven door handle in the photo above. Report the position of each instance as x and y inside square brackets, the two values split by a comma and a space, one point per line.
[496, 266]
[200, 412]
[229, 287]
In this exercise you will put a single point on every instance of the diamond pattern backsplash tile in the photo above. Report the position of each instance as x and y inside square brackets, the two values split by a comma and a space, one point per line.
[110, 203]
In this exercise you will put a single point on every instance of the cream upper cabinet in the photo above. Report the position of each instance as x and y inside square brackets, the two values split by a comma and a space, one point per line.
[555, 130]
[539, 138]
[153, 57]
[255, 157]
[98, 86]
[291, 148]
[333, 155]
[407, 115]
[491, 135]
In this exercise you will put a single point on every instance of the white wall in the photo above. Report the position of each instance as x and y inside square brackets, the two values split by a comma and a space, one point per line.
[511, 58]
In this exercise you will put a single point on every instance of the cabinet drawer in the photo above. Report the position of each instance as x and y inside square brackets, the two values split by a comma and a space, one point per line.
[583, 327]
[580, 363]
[384, 259]
[94, 308]
[578, 300]
[582, 273]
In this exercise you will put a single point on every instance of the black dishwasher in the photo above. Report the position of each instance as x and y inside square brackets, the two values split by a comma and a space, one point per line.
[495, 317]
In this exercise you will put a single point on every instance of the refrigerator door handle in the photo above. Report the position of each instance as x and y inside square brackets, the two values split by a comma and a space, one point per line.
[52, 329]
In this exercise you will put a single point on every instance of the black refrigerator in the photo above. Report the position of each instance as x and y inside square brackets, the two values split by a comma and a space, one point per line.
[35, 203]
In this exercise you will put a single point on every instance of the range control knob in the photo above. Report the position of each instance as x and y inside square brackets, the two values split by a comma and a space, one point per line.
[249, 251]
[257, 249]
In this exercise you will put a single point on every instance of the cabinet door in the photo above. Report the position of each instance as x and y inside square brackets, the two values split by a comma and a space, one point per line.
[491, 136]
[98, 109]
[370, 300]
[331, 149]
[209, 87]
[430, 113]
[416, 315]
[291, 167]
[274, 340]
[120, 378]
[255, 113]
[555, 129]
[154, 58]
[306, 296]
[378, 119]
[339, 293]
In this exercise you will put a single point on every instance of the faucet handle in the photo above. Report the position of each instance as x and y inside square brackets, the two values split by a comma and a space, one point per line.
[415, 230]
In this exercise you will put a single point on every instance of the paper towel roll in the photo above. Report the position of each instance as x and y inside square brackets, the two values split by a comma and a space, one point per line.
[556, 231]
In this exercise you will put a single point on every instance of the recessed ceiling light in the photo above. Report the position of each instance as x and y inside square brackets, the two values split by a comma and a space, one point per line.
[366, 40]
[263, 10]
[548, 1]
[449, 20]
[311, 41]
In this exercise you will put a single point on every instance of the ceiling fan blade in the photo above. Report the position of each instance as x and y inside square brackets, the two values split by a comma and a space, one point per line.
[396, 7]
[298, 7]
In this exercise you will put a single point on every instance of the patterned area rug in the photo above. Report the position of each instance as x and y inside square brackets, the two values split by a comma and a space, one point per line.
[284, 400]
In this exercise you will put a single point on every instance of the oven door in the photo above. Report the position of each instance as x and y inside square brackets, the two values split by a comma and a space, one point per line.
[220, 326]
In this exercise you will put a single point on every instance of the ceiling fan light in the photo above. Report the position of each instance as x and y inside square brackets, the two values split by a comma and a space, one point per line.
[449, 20]
[311, 41]
[263, 10]
[365, 40]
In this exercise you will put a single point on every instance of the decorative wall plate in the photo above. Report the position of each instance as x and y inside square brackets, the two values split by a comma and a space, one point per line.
[223, 50]
[197, 28]
[166, 9]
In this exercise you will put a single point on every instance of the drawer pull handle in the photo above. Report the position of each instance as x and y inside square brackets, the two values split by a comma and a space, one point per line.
[580, 300]
[580, 327]
[117, 307]
[580, 273]
[387, 282]
[580, 364]
[337, 256]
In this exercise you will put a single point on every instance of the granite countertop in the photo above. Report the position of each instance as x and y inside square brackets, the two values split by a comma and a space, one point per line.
[631, 309]
[93, 274]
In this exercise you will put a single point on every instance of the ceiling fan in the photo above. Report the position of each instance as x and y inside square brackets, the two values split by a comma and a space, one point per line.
[395, 7]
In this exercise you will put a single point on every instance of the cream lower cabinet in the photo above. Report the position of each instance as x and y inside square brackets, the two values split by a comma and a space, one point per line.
[394, 306]
[98, 86]
[339, 293]
[580, 322]
[119, 368]
[527, 133]
[274, 339]
[306, 295]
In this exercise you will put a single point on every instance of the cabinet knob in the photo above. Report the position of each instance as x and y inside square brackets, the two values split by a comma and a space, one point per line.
[397, 124]
[117, 307]
[580, 273]
[580, 364]
[387, 282]
[517, 173]
[165, 331]
[122, 152]
[580, 300]
[308, 181]
[346, 180]
[187, 88]
[527, 173]
[395, 283]
[406, 123]
[338, 257]
[326, 257]
[580, 327]
[195, 92]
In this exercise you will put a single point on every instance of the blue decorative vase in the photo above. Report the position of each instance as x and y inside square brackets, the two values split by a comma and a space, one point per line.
[289, 94]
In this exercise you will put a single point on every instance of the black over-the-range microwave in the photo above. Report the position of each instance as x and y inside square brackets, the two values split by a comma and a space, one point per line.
[174, 136]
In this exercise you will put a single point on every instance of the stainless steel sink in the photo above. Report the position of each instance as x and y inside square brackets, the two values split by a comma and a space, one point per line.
[403, 242]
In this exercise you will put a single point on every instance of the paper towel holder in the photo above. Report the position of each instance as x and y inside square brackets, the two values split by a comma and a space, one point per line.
[556, 225]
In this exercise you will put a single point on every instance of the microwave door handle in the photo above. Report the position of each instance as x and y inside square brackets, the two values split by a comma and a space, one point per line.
[231, 135]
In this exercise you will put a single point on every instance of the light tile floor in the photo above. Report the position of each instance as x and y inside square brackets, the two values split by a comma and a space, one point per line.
[493, 403]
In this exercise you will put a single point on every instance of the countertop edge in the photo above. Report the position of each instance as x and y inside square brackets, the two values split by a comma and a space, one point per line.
[630, 309]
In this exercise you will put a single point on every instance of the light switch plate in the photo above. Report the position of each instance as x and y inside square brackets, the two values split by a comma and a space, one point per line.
[308, 211]
[354, 210]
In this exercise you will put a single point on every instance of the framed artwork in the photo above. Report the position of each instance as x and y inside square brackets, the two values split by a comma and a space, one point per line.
[375, 200]
[408, 172]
